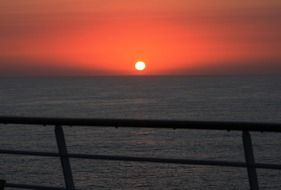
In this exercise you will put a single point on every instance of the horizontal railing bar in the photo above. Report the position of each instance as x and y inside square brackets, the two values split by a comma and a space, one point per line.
[170, 124]
[29, 153]
[35, 187]
[159, 160]
[268, 166]
[143, 159]
[173, 161]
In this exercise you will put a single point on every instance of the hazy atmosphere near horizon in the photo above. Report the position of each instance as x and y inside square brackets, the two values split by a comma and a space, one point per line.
[172, 37]
[140, 94]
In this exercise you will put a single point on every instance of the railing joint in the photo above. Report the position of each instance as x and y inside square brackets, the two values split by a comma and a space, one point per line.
[2, 184]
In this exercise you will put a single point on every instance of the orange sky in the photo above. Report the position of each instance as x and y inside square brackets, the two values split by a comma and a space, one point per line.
[171, 36]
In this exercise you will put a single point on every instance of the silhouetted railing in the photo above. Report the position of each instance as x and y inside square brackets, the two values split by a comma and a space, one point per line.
[244, 127]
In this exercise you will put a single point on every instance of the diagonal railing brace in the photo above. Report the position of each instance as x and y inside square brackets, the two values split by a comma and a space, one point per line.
[64, 158]
[250, 161]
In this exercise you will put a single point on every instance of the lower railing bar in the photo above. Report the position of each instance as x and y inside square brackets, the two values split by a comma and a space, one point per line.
[159, 160]
[174, 161]
[29, 153]
[250, 160]
[34, 187]
[64, 158]
[142, 159]
[268, 166]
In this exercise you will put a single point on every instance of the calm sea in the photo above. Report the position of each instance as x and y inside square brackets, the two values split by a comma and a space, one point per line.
[228, 98]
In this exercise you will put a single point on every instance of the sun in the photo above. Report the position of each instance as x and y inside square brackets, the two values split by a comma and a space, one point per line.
[140, 65]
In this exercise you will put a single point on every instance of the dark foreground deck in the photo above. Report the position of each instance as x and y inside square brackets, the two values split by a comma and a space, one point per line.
[58, 123]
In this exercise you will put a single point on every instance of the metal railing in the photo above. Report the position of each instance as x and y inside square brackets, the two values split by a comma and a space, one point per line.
[244, 127]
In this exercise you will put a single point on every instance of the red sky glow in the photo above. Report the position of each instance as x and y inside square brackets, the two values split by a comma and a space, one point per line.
[108, 37]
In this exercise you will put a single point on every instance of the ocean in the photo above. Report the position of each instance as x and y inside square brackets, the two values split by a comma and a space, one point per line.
[220, 98]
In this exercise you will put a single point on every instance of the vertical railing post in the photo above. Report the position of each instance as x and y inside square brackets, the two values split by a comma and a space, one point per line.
[64, 158]
[250, 160]
[2, 184]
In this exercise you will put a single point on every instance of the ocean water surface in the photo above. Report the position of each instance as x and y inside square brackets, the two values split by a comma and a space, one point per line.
[221, 98]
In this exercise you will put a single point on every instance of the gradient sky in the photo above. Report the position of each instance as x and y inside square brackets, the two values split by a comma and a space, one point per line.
[171, 36]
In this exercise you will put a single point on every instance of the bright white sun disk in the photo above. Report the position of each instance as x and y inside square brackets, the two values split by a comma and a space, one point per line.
[140, 65]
